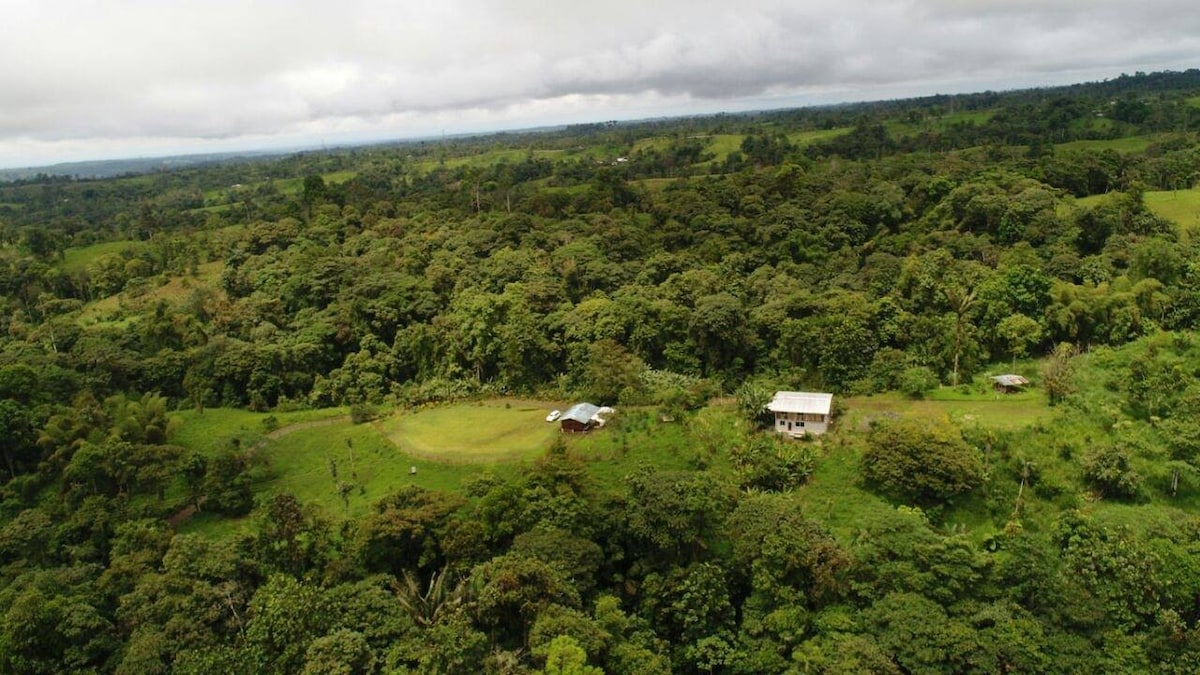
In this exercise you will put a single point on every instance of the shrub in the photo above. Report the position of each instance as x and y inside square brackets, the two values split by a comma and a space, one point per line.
[1108, 470]
[915, 382]
[919, 461]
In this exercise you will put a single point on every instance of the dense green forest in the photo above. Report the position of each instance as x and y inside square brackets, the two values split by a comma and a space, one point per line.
[213, 382]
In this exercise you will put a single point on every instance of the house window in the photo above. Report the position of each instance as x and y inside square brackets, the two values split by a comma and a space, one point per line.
[802, 425]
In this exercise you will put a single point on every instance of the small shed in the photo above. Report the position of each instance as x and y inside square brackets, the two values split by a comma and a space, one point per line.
[1009, 384]
[579, 417]
[801, 412]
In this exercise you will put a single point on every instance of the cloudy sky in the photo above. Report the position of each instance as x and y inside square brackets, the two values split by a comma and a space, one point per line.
[124, 78]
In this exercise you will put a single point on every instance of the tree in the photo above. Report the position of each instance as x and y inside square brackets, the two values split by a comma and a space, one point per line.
[1107, 468]
[1058, 373]
[564, 656]
[752, 399]
[1020, 333]
[227, 483]
[925, 462]
[916, 381]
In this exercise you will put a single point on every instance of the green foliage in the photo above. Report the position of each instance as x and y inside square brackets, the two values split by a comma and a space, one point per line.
[917, 381]
[862, 249]
[922, 462]
[767, 462]
[1108, 469]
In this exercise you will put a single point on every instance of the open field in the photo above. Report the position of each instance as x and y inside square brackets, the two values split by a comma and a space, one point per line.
[115, 308]
[635, 437]
[994, 410]
[1122, 145]
[293, 186]
[938, 123]
[1179, 206]
[78, 259]
[310, 463]
[217, 428]
[487, 431]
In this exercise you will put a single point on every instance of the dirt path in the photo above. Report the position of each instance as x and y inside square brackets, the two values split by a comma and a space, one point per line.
[187, 512]
[293, 428]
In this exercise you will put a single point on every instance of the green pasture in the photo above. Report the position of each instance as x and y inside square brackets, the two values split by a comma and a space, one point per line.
[834, 495]
[720, 145]
[1126, 145]
[310, 463]
[1181, 207]
[991, 409]
[215, 429]
[496, 156]
[77, 259]
[293, 186]
[898, 127]
[117, 308]
[636, 437]
[479, 432]
[804, 138]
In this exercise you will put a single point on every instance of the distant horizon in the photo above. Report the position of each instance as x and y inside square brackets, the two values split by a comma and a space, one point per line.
[128, 79]
[198, 148]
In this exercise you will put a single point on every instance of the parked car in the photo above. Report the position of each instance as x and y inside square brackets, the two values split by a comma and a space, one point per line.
[554, 414]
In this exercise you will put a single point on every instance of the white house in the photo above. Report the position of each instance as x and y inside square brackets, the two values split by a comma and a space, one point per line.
[800, 412]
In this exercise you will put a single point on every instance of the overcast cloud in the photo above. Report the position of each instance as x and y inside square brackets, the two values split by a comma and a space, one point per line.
[91, 80]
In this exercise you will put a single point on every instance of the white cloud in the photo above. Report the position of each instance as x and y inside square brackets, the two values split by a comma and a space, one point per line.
[92, 79]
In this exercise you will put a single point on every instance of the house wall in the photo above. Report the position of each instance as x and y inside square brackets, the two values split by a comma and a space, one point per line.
[798, 424]
[573, 426]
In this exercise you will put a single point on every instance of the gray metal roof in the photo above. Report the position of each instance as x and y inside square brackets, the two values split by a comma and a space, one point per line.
[1010, 380]
[801, 402]
[581, 412]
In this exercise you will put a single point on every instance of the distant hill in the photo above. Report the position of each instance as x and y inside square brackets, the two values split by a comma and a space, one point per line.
[109, 168]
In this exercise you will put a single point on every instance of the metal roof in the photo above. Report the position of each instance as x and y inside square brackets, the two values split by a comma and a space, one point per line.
[1010, 380]
[801, 402]
[580, 412]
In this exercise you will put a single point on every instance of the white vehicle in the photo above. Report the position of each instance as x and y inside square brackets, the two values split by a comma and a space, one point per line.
[553, 415]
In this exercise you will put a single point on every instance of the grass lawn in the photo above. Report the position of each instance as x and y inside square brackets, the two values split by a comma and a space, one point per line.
[635, 437]
[1179, 206]
[486, 431]
[996, 410]
[304, 463]
[833, 494]
[217, 428]
[77, 259]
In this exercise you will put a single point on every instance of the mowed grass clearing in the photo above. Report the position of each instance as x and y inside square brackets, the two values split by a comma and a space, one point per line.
[484, 431]
[310, 463]
[1181, 207]
[995, 410]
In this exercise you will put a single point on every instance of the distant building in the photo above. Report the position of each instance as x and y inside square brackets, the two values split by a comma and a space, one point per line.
[800, 412]
[579, 417]
[1009, 384]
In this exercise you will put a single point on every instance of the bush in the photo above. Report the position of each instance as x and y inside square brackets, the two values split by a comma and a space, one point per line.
[917, 381]
[922, 462]
[361, 412]
[1108, 470]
